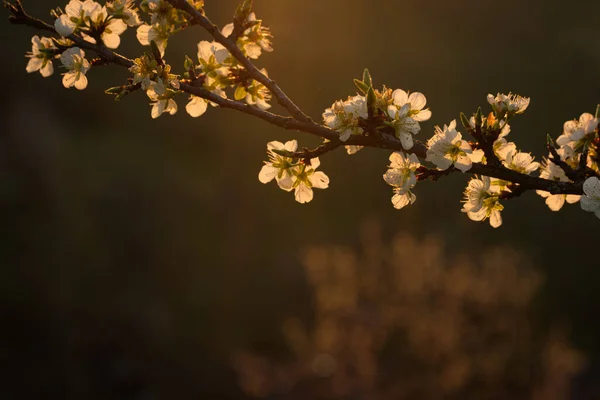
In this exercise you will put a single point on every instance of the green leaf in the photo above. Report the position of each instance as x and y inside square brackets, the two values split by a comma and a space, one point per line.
[114, 90]
[371, 99]
[240, 93]
[597, 115]
[465, 121]
[478, 117]
[242, 13]
[367, 78]
[360, 85]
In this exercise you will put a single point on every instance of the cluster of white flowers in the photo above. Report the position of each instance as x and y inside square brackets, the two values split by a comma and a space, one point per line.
[401, 176]
[291, 175]
[447, 147]
[393, 115]
[165, 20]
[218, 69]
[577, 136]
[94, 21]
[344, 116]
[507, 105]
[396, 109]
[254, 39]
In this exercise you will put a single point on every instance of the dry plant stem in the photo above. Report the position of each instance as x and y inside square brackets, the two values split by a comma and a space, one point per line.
[199, 19]
[299, 121]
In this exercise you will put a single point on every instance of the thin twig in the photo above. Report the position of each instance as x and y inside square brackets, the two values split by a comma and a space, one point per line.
[20, 17]
[199, 19]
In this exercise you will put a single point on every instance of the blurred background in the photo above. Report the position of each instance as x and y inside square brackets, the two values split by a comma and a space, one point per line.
[142, 259]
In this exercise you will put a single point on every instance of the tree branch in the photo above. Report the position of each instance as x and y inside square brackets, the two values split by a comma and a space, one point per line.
[199, 19]
[299, 121]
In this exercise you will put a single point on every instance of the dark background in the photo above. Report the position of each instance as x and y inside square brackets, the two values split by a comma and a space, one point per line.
[137, 255]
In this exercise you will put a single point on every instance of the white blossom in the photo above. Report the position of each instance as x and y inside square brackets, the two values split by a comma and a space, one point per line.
[510, 103]
[254, 39]
[590, 201]
[575, 130]
[111, 27]
[401, 176]
[305, 178]
[198, 105]
[406, 112]
[161, 100]
[74, 17]
[481, 201]
[74, 60]
[124, 9]
[42, 53]
[553, 172]
[279, 167]
[343, 116]
[158, 33]
[503, 148]
[521, 162]
[446, 147]
[212, 56]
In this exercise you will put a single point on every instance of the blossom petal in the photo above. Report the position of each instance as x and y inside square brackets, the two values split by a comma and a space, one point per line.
[303, 194]
[417, 100]
[319, 180]
[400, 97]
[267, 173]
[423, 115]
[555, 201]
[591, 187]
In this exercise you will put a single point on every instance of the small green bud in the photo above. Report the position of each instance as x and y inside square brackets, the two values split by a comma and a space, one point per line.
[360, 85]
[188, 64]
[465, 121]
[242, 13]
[371, 101]
[240, 93]
[367, 78]
[597, 115]
[114, 90]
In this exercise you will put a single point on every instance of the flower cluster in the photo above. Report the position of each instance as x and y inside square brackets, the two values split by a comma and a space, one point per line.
[508, 105]
[345, 116]
[447, 147]
[395, 111]
[96, 22]
[291, 174]
[383, 118]
[165, 20]
[254, 37]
